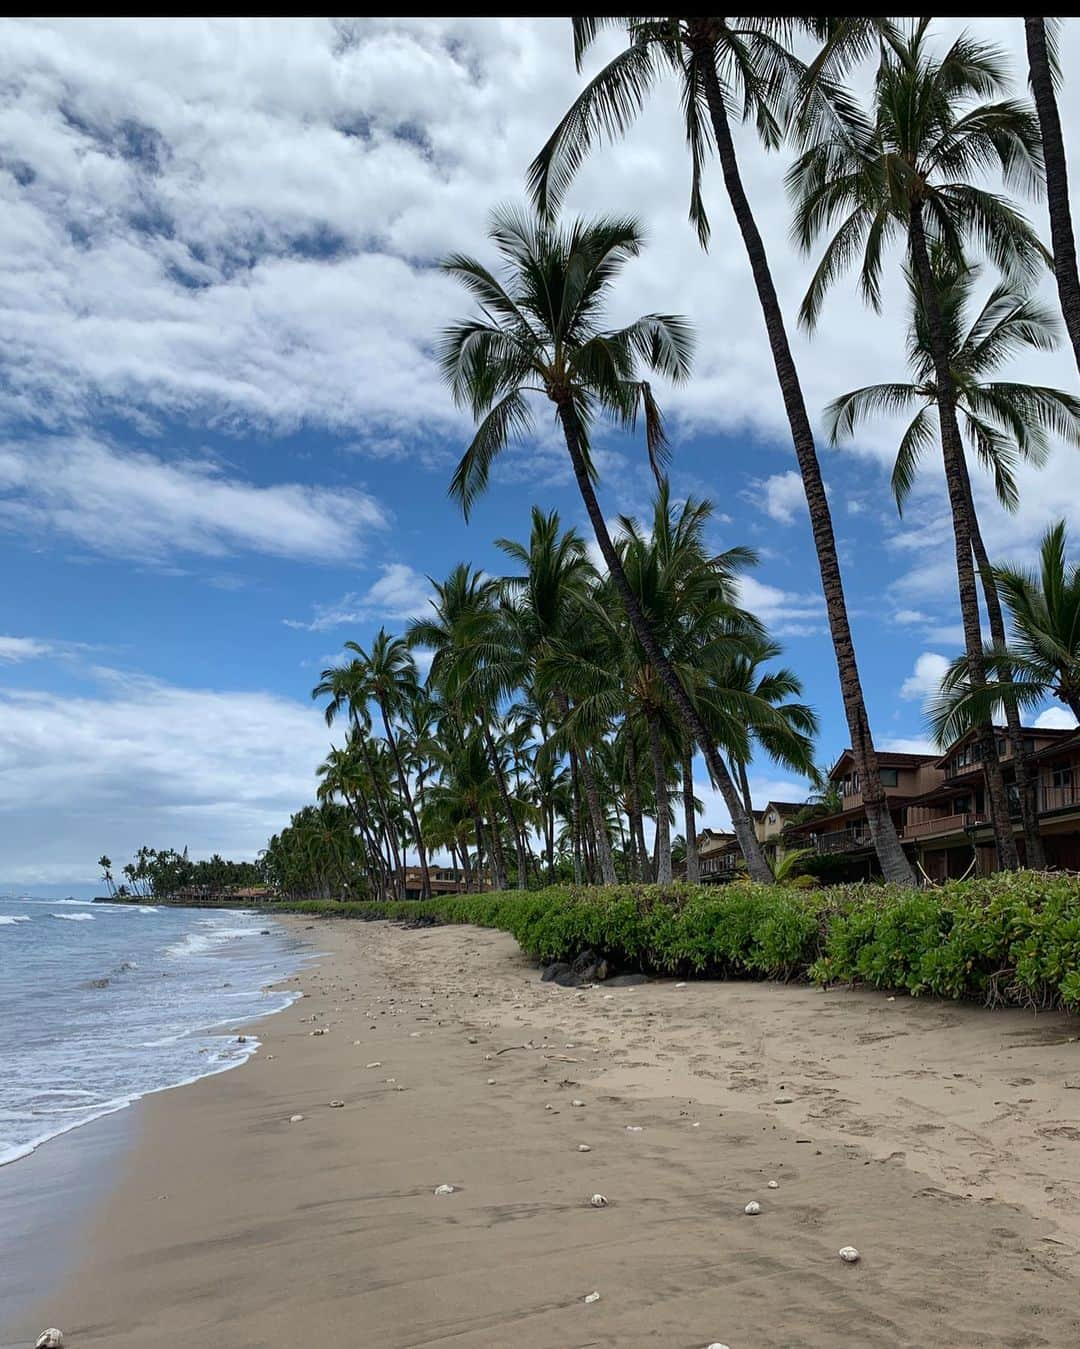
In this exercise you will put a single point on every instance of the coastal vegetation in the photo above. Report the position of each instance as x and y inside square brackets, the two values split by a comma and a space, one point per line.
[1004, 940]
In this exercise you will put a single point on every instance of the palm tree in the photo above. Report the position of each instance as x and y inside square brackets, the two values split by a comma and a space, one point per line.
[105, 863]
[907, 172]
[540, 332]
[1043, 658]
[389, 673]
[721, 64]
[1045, 73]
[460, 631]
[1001, 423]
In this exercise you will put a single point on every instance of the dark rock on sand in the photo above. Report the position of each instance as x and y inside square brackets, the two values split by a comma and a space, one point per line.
[626, 980]
[552, 971]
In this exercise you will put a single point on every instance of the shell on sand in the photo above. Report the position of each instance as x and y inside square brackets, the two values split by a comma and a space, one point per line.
[50, 1339]
[752, 1208]
[295, 1119]
[583, 1147]
[575, 1101]
[848, 1254]
[336, 1105]
[444, 1189]
[717, 1345]
[774, 1184]
[598, 1201]
[591, 1297]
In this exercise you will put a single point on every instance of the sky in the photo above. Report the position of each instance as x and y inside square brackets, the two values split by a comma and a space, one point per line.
[225, 446]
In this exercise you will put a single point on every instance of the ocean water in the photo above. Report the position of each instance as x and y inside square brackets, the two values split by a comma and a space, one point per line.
[102, 1003]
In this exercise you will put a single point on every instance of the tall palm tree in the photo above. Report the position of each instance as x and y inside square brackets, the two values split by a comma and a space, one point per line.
[390, 675]
[723, 64]
[1042, 659]
[936, 122]
[460, 631]
[1001, 422]
[540, 331]
[105, 863]
[1045, 72]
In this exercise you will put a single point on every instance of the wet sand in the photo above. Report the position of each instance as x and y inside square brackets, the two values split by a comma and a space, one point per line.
[942, 1141]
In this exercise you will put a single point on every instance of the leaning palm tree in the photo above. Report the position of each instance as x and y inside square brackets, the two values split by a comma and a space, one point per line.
[722, 64]
[1042, 659]
[936, 123]
[1002, 422]
[1045, 73]
[540, 332]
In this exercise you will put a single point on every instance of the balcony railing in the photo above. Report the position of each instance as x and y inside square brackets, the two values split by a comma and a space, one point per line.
[843, 840]
[1060, 796]
[942, 824]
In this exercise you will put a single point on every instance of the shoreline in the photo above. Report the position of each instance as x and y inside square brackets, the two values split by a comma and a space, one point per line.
[937, 1139]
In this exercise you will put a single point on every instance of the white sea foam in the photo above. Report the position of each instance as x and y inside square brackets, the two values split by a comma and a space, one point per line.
[147, 908]
[7, 919]
[75, 917]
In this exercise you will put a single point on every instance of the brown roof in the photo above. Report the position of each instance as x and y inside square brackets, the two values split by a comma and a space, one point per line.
[888, 759]
[786, 807]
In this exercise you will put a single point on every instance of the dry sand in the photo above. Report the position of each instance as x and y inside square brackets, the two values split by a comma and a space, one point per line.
[942, 1141]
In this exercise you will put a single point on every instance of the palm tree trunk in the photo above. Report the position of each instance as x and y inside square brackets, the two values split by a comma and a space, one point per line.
[498, 856]
[478, 825]
[952, 449]
[575, 817]
[549, 841]
[1057, 179]
[663, 823]
[637, 822]
[744, 784]
[1034, 854]
[425, 879]
[688, 714]
[592, 798]
[380, 801]
[508, 805]
[894, 864]
[693, 866]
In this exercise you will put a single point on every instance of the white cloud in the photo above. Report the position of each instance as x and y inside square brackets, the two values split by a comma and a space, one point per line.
[909, 744]
[137, 505]
[925, 680]
[910, 616]
[1055, 719]
[142, 761]
[784, 497]
[16, 649]
[784, 612]
[400, 592]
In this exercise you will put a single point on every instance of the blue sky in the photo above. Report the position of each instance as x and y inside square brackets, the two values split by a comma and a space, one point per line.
[224, 447]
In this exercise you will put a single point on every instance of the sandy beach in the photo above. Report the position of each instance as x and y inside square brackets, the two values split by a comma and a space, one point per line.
[942, 1141]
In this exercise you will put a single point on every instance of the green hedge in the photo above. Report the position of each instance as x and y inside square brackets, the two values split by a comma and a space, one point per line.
[1010, 938]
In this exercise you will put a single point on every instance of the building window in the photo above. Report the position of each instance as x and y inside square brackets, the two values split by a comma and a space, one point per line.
[889, 777]
[1062, 777]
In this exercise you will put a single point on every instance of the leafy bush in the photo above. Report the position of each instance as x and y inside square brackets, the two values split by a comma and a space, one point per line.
[1010, 938]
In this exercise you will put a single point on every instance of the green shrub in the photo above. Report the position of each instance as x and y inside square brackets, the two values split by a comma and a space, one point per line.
[1010, 938]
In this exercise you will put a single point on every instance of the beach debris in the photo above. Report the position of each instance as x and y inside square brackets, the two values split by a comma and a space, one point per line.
[269, 1057]
[491, 1081]
[753, 1208]
[774, 1184]
[576, 1102]
[591, 1297]
[634, 1129]
[681, 984]
[241, 1039]
[336, 1105]
[717, 1345]
[549, 1106]
[415, 1034]
[783, 1100]
[321, 1030]
[472, 1039]
[295, 1119]
[696, 1124]
[583, 1147]
[444, 1189]
[376, 1064]
[50, 1339]
[849, 1254]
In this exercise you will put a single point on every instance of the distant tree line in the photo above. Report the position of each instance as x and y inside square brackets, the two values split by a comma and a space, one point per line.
[156, 873]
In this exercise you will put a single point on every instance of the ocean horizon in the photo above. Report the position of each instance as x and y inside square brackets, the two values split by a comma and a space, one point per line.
[105, 1003]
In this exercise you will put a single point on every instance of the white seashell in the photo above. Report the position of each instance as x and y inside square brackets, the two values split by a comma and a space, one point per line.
[336, 1105]
[491, 1081]
[696, 1124]
[415, 1034]
[376, 1064]
[849, 1254]
[591, 1297]
[598, 1201]
[472, 1039]
[634, 1129]
[782, 1100]
[488, 1056]
[320, 1031]
[717, 1345]
[752, 1208]
[575, 1101]
[444, 1189]
[50, 1339]
[549, 1107]
[295, 1119]
[583, 1147]
[774, 1184]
